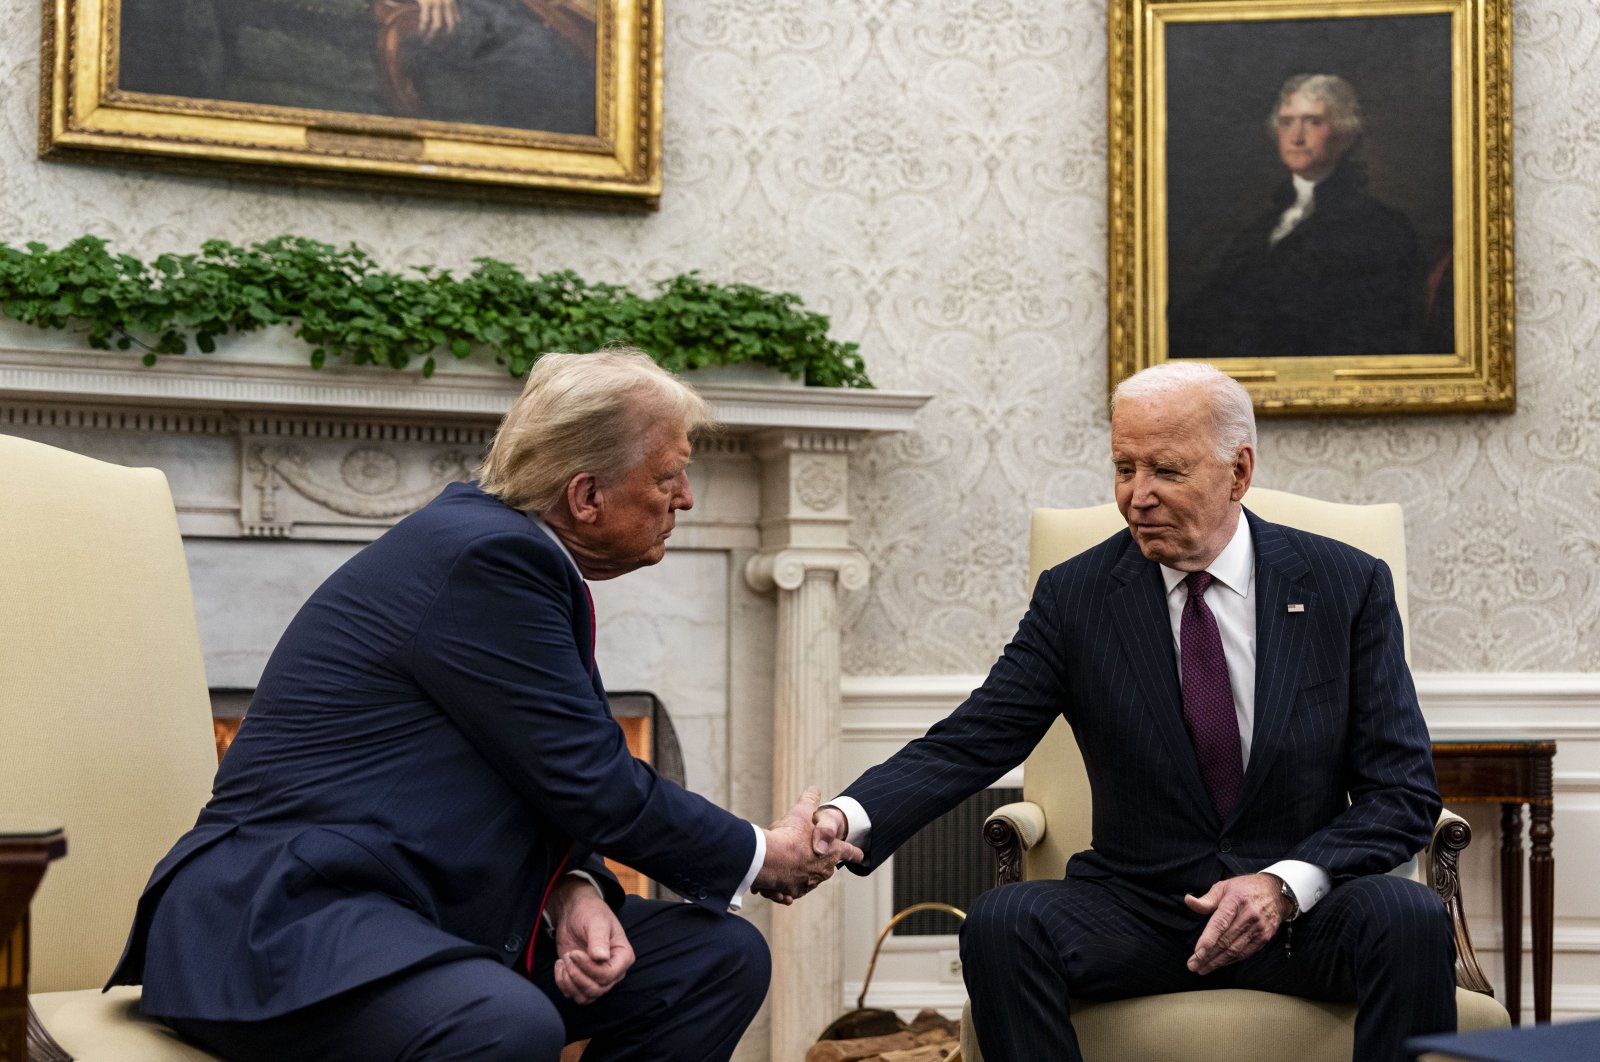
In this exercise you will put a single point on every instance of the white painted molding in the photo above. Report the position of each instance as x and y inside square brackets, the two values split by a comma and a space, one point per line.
[1457, 704]
[939, 693]
[101, 378]
[1545, 705]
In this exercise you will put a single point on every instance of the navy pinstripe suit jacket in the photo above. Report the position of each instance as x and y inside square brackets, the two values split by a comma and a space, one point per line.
[1340, 772]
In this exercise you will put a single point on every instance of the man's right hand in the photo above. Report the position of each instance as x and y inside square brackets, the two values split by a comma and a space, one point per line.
[797, 861]
[831, 829]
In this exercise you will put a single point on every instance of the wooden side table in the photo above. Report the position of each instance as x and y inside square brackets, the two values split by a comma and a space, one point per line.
[25, 850]
[1511, 774]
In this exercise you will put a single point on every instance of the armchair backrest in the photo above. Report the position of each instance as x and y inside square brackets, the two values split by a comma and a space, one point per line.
[103, 701]
[1057, 534]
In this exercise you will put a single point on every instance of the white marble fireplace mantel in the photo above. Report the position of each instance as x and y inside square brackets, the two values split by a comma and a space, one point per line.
[279, 472]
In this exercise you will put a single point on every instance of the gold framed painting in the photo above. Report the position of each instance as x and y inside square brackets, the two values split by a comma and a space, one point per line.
[1315, 197]
[518, 98]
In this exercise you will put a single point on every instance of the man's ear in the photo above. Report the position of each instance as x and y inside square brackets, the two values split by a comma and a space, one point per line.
[1244, 468]
[585, 499]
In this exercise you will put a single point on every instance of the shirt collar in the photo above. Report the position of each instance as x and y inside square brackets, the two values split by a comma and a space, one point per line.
[1303, 188]
[1233, 568]
[538, 521]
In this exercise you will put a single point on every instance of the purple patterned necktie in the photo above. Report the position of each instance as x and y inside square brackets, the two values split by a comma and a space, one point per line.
[1207, 698]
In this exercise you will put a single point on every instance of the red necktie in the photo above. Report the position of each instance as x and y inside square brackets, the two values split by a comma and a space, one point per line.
[1208, 699]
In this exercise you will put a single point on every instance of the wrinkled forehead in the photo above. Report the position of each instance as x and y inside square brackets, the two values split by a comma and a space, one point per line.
[1175, 424]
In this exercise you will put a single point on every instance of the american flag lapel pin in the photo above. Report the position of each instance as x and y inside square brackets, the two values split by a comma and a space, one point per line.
[1295, 606]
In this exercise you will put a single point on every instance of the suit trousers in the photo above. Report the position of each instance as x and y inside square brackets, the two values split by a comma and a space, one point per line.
[1381, 941]
[697, 981]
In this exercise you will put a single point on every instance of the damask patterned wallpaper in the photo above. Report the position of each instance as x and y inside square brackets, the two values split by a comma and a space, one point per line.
[931, 174]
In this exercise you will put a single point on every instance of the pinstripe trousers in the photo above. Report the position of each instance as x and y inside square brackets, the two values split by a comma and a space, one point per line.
[1381, 941]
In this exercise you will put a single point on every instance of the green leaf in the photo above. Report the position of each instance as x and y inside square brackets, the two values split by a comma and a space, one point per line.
[341, 303]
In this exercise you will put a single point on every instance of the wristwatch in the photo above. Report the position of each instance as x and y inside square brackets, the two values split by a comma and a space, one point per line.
[1288, 894]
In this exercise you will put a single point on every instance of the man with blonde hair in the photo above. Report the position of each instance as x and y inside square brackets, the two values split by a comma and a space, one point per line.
[1253, 743]
[401, 858]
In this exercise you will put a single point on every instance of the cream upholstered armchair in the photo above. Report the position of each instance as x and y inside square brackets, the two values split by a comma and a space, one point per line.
[105, 717]
[1034, 838]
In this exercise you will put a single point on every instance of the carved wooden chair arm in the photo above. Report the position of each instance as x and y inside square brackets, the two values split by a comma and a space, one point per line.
[1441, 865]
[1010, 831]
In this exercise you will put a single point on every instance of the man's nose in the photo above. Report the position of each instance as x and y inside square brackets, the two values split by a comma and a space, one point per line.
[685, 497]
[1144, 494]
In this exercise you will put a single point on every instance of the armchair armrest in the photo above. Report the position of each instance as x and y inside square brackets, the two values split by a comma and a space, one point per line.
[1441, 864]
[1010, 831]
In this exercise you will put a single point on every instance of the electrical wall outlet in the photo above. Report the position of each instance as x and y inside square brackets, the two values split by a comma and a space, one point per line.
[950, 966]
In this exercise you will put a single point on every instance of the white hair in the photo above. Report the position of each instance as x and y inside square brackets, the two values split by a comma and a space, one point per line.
[1231, 413]
[1344, 106]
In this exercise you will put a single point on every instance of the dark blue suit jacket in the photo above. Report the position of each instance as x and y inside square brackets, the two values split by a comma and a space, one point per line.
[427, 741]
[1340, 772]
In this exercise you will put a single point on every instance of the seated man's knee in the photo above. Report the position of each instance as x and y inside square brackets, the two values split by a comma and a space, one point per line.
[745, 957]
[1408, 915]
[993, 923]
[520, 1025]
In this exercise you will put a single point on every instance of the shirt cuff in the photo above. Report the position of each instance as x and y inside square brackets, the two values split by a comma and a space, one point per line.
[755, 868]
[857, 823]
[549, 922]
[1309, 882]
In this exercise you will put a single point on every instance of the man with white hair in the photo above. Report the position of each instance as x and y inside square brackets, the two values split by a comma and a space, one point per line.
[401, 857]
[1327, 269]
[1252, 739]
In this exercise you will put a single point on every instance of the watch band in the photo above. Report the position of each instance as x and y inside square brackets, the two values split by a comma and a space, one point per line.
[1294, 903]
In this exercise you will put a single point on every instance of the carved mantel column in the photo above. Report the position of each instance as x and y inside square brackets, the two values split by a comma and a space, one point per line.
[806, 558]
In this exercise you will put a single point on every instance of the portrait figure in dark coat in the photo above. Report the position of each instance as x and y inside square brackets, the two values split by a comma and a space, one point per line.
[1326, 268]
[525, 65]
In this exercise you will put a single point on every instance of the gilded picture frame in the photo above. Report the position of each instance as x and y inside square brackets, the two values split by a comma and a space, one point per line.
[1381, 280]
[511, 99]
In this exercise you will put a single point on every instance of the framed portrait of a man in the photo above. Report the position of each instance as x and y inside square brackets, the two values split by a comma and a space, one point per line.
[509, 97]
[1316, 197]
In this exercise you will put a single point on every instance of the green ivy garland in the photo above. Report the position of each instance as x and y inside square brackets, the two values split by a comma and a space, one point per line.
[342, 305]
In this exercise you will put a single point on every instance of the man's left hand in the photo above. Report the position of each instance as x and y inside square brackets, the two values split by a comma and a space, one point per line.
[1245, 913]
[592, 951]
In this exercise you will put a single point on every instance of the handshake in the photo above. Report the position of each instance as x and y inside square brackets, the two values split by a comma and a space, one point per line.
[803, 848]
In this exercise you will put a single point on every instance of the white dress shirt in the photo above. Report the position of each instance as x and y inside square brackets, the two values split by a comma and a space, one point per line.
[1305, 202]
[1232, 598]
[736, 901]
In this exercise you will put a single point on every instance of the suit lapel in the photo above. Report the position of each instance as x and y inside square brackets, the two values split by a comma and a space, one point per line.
[1281, 640]
[585, 631]
[1138, 607]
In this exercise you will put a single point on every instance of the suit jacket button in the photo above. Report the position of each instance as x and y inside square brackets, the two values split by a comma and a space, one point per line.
[513, 944]
[1226, 845]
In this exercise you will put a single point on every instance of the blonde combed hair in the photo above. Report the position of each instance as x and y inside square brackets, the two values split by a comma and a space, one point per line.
[583, 413]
